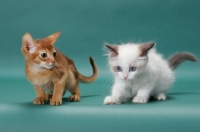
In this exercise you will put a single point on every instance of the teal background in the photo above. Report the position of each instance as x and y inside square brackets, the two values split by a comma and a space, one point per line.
[86, 25]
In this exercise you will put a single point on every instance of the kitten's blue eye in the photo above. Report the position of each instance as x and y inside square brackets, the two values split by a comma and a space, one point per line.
[119, 68]
[132, 68]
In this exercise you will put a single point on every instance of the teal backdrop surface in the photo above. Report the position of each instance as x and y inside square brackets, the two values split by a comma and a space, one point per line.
[86, 25]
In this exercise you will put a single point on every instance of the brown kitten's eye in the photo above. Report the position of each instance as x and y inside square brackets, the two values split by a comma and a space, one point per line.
[54, 54]
[44, 55]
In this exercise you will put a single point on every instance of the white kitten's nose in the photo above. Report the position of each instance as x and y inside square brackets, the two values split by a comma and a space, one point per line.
[125, 77]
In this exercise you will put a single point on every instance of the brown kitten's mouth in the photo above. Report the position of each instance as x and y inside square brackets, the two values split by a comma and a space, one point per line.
[49, 66]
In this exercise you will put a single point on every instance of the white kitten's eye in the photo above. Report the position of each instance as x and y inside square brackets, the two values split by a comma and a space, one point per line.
[132, 68]
[44, 55]
[119, 69]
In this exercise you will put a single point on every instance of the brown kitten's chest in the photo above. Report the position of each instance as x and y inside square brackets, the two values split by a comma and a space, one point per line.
[42, 78]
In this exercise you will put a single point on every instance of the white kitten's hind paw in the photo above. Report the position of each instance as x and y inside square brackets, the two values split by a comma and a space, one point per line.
[160, 96]
[111, 100]
[140, 99]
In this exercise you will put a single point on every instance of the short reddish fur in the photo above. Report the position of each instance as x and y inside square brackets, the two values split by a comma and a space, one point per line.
[56, 80]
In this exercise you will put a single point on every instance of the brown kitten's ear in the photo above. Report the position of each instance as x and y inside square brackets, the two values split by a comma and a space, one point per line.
[53, 37]
[28, 43]
[113, 49]
[144, 48]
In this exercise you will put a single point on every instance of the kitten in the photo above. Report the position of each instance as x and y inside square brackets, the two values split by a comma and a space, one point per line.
[140, 72]
[50, 71]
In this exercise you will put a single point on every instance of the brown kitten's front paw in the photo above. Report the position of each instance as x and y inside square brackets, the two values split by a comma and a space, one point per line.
[74, 98]
[39, 101]
[48, 96]
[56, 102]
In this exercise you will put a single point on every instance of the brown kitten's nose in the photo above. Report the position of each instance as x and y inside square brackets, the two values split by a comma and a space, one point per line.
[53, 62]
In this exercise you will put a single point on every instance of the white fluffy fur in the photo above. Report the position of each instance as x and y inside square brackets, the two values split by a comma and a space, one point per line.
[152, 77]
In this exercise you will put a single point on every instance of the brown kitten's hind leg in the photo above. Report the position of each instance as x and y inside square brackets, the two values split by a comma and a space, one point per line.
[41, 97]
[75, 97]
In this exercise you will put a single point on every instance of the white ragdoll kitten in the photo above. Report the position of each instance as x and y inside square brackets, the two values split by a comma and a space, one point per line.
[140, 72]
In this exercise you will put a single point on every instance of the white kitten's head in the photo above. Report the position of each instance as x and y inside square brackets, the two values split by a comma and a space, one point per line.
[128, 60]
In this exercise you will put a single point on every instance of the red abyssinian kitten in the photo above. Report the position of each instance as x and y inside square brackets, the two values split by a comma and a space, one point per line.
[50, 71]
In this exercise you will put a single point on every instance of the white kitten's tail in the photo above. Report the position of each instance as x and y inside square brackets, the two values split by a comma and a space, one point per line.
[84, 79]
[176, 59]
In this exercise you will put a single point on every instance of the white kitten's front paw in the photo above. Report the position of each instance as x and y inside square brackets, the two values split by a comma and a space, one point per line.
[161, 96]
[140, 99]
[111, 100]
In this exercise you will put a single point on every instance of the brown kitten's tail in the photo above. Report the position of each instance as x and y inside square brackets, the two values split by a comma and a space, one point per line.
[175, 60]
[84, 79]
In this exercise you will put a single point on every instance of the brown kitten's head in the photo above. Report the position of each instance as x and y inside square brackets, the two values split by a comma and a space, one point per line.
[40, 52]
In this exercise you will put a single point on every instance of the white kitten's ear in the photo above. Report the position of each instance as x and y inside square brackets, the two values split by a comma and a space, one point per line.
[28, 43]
[53, 37]
[144, 48]
[113, 49]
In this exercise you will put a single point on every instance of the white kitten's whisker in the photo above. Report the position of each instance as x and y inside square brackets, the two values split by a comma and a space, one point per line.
[142, 58]
[106, 84]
